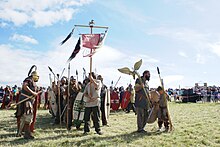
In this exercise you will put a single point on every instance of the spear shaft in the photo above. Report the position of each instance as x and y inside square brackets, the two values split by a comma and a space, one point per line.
[164, 96]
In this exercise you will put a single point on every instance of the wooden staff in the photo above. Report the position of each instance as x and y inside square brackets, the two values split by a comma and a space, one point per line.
[117, 82]
[145, 92]
[77, 76]
[58, 91]
[164, 96]
[91, 23]
[84, 74]
[68, 96]
[28, 97]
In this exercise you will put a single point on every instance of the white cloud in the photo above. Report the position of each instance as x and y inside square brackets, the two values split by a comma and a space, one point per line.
[128, 13]
[40, 12]
[184, 34]
[173, 80]
[18, 18]
[215, 48]
[47, 18]
[196, 43]
[15, 61]
[183, 54]
[106, 62]
[170, 81]
[3, 24]
[200, 59]
[194, 4]
[77, 3]
[23, 38]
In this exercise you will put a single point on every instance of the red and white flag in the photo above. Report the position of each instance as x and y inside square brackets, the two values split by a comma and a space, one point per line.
[90, 40]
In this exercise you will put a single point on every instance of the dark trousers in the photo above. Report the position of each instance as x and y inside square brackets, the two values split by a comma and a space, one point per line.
[142, 115]
[96, 118]
[102, 108]
[70, 112]
[131, 106]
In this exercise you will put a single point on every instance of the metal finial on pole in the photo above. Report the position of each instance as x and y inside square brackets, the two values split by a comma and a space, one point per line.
[91, 23]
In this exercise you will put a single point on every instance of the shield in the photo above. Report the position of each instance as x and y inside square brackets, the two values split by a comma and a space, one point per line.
[79, 109]
[53, 105]
[114, 100]
[154, 98]
[125, 99]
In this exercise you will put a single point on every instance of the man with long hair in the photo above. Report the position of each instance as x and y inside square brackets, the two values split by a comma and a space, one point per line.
[141, 102]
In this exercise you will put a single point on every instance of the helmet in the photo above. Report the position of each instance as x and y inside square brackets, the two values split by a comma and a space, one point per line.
[34, 73]
[72, 78]
[35, 76]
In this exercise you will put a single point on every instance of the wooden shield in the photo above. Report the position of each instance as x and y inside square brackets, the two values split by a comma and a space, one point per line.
[79, 108]
[53, 104]
[154, 97]
[114, 101]
[125, 99]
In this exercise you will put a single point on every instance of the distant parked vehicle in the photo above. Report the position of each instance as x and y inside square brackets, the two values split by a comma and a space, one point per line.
[187, 95]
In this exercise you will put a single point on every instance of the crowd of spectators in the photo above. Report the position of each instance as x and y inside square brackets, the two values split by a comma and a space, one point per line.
[206, 94]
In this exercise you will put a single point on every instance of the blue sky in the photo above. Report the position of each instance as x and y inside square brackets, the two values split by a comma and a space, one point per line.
[182, 37]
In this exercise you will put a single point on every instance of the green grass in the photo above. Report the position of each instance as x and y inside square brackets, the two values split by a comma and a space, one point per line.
[194, 125]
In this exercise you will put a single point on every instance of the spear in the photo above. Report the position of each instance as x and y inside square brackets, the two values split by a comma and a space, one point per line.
[117, 81]
[84, 74]
[50, 80]
[62, 72]
[77, 75]
[112, 83]
[27, 98]
[58, 91]
[164, 96]
[52, 73]
[68, 96]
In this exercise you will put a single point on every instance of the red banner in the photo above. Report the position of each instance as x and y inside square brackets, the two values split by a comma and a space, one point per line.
[90, 40]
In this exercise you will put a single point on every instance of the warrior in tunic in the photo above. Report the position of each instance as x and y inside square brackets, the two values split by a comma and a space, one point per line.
[24, 111]
[61, 103]
[141, 103]
[163, 111]
[74, 89]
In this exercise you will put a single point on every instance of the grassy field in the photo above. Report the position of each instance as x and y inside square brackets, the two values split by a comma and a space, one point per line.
[194, 125]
